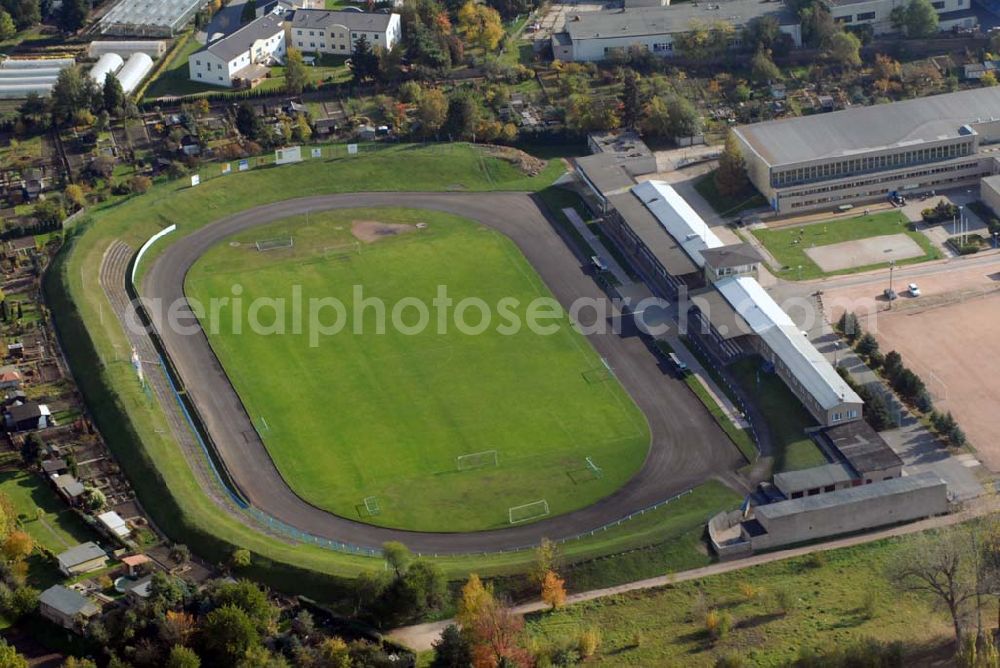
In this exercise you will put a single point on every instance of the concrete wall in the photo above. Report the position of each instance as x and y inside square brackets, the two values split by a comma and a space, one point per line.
[727, 549]
[849, 517]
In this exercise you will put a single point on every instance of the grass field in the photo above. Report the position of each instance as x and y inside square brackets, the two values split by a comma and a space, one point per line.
[788, 244]
[136, 429]
[838, 598]
[785, 416]
[387, 415]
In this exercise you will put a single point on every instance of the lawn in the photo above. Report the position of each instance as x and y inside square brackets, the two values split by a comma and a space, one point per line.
[403, 406]
[838, 598]
[788, 244]
[725, 205]
[785, 415]
[42, 514]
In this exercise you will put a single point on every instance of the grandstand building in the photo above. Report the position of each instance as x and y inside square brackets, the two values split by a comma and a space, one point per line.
[867, 153]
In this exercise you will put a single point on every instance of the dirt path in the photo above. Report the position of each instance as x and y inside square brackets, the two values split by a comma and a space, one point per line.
[421, 637]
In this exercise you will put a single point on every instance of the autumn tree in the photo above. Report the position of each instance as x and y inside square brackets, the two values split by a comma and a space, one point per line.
[295, 72]
[176, 627]
[74, 193]
[480, 26]
[547, 558]
[731, 176]
[497, 638]
[17, 546]
[473, 600]
[432, 111]
[553, 590]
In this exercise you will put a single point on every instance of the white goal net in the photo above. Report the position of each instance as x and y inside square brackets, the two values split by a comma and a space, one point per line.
[477, 460]
[274, 244]
[528, 511]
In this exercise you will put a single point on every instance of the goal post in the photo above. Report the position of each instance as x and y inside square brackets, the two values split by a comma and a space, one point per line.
[344, 250]
[477, 460]
[528, 511]
[371, 505]
[594, 468]
[274, 244]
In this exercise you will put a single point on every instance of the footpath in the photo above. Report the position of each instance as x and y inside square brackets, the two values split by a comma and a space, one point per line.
[421, 637]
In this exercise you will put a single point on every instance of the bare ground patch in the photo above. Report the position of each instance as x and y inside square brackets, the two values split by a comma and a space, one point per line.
[370, 231]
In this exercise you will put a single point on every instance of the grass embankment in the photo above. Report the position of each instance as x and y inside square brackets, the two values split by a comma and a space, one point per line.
[407, 403]
[133, 424]
[788, 244]
[835, 598]
[786, 417]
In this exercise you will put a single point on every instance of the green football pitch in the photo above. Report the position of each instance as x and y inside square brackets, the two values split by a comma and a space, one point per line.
[386, 417]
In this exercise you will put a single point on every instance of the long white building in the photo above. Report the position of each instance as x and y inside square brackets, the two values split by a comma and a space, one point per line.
[866, 153]
[878, 13]
[241, 58]
[322, 31]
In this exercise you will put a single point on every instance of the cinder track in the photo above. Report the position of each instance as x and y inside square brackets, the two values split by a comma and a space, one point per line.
[687, 447]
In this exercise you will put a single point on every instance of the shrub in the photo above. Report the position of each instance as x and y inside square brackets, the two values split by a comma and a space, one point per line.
[589, 642]
[869, 604]
[730, 660]
[784, 601]
[749, 591]
[717, 624]
[867, 345]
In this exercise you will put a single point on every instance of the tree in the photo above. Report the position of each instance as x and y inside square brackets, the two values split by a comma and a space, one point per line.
[71, 93]
[553, 590]
[432, 111]
[333, 653]
[398, 556]
[364, 62]
[249, 123]
[228, 634]
[295, 72]
[918, 19]
[72, 14]
[463, 115]
[249, 12]
[940, 564]
[893, 365]
[867, 345]
[17, 546]
[452, 649]
[630, 99]
[182, 657]
[74, 193]
[844, 48]
[762, 33]
[10, 657]
[497, 638]
[480, 25]
[140, 184]
[49, 212]
[240, 558]
[762, 68]
[474, 598]
[731, 176]
[114, 95]
[177, 627]
[422, 587]
[94, 498]
[656, 118]
[76, 662]
[7, 27]
[31, 450]
[988, 79]
[25, 13]
[249, 598]
[818, 25]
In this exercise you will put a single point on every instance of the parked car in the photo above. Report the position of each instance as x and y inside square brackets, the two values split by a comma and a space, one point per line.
[890, 294]
[680, 368]
[913, 289]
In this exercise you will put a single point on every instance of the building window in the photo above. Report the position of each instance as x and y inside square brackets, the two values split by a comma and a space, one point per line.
[867, 16]
[199, 75]
[844, 19]
[938, 5]
[660, 48]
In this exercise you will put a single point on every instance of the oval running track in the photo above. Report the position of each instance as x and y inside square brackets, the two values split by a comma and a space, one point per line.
[687, 447]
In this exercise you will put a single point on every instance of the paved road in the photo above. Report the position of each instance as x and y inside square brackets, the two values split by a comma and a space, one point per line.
[421, 637]
[687, 447]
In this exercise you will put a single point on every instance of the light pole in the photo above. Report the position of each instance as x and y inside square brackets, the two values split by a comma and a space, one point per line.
[891, 294]
[996, 233]
[961, 224]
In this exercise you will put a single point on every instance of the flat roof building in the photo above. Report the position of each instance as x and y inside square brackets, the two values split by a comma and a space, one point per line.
[66, 607]
[817, 480]
[845, 511]
[596, 36]
[82, 558]
[877, 14]
[866, 153]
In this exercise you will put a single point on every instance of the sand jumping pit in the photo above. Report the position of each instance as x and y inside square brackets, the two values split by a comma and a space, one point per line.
[370, 231]
[864, 252]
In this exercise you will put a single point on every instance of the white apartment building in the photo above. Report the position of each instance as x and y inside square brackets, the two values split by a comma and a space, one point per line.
[241, 58]
[321, 31]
